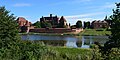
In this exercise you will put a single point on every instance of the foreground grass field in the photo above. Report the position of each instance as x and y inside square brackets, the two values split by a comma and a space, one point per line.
[95, 32]
[73, 53]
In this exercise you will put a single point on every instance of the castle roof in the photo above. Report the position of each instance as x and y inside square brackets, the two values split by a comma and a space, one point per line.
[21, 19]
[62, 18]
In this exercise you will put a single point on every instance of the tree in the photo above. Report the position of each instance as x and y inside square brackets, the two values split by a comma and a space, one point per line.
[78, 24]
[114, 41]
[108, 20]
[46, 24]
[87, 24]
[8, 28]
[37, 24]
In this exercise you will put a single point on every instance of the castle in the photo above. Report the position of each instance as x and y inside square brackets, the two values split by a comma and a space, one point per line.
[59, 25]
[55, 21]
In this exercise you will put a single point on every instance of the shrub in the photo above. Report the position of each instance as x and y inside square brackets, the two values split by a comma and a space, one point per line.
[113, 54]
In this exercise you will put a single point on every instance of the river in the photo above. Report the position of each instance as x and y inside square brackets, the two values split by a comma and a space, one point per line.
[71, 40]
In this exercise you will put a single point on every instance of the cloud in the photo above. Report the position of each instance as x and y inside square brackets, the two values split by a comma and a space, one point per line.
[84, 15]
[21, 5]
[109, 6]
[68, 2]
[73, 21]
[82, 0]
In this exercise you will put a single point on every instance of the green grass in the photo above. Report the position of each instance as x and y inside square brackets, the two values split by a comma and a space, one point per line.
[73, 53]
[86, 32]
[95, 32]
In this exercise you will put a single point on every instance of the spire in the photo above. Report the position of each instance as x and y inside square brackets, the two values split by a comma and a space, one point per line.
[50, 15]
[43, 19]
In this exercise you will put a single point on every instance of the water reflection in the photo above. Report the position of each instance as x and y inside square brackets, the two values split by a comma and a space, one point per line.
[72, 41]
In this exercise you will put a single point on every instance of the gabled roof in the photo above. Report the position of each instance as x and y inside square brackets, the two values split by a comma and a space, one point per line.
[23, 22]
[62, 18]
[21, 19]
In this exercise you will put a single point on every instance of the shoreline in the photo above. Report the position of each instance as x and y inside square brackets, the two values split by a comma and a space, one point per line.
[62, 34]
[85, 32]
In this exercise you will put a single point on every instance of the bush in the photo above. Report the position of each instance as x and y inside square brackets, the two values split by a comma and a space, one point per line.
[113, 54]
[92, 46]
[25, 50]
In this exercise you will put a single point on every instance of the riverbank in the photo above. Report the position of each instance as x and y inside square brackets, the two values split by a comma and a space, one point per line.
[95, 32]
[50, 34]
[85, 32]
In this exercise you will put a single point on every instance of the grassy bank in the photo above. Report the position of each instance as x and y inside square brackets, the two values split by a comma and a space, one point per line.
[30, 33]
[95, 32]
[73, 53]
[86, 32]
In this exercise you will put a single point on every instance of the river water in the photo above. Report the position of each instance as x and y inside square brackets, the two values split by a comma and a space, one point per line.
[71, 40]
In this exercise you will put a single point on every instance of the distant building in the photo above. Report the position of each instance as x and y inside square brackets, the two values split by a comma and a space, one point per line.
[23, 24]
[99, 24]
[54, 21]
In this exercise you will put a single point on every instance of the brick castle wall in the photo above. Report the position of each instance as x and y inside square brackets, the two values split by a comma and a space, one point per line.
[55, 30]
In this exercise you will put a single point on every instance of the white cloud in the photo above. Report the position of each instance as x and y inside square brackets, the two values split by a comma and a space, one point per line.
[71, 2]
[82, 0]
[21, 4]
[109, 6]
[24, 16]
[73, 21]
[84, 15]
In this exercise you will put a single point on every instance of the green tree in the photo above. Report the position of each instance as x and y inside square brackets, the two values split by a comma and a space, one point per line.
[46, 24]
[37, 24]
[114, 41]
[87, 24]
[78, 24]
[8, 28]
[108, 20]
[11, 48]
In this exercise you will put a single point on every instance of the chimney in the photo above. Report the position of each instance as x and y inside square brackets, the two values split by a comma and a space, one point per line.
[50, 15]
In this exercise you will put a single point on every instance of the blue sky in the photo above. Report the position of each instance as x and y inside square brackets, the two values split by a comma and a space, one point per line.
[73, 10]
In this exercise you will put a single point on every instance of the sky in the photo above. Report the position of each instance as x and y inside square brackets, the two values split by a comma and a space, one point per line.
[72, 10]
